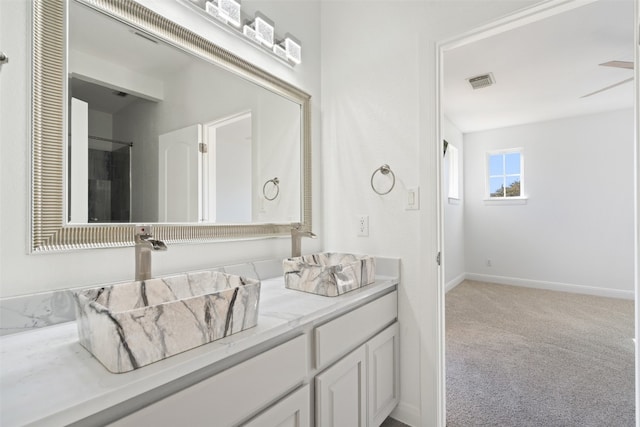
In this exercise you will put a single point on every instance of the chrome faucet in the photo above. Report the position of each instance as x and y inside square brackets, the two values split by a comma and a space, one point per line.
[296, 239]
[144, 246]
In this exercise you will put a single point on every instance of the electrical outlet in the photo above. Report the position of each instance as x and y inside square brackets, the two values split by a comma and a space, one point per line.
[488, 263]
[363, 225]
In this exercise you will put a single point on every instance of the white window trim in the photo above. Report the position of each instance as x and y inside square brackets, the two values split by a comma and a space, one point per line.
[506, 201]
[519, 200]
[454, 173]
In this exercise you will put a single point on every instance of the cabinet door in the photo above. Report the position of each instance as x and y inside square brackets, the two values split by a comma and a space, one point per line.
[292, 411]
[383, 373]
[341, 392]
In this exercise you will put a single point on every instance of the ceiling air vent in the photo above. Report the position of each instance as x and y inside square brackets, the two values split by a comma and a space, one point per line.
[481, 81]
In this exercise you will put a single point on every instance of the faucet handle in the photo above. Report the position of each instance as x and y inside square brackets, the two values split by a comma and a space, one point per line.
[142, 233]
[141, 230]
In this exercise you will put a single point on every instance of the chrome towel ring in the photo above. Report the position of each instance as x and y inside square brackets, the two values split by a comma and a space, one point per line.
[276, 183]
[384, 170]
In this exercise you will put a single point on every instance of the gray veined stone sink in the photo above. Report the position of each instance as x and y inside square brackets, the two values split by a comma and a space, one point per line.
[329, 274]
[129, 325]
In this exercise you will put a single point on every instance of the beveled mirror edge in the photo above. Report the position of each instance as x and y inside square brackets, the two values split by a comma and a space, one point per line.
[49, 231]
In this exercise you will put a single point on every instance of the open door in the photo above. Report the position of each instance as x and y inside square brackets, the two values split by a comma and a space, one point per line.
[79, 146]
[180, 166]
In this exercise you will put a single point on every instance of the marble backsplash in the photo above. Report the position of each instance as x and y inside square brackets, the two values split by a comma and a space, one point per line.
[26, 312]
[23, 313]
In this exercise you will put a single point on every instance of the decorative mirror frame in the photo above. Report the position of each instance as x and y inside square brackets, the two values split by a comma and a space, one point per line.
[49, 230]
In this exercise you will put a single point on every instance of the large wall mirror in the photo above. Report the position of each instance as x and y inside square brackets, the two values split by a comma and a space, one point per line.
[138, 120]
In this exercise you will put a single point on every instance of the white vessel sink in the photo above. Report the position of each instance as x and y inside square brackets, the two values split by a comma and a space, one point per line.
[129, 325]
[329, 274]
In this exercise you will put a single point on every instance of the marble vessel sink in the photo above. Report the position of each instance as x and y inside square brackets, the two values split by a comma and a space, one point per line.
[329, 274]
[129, 325]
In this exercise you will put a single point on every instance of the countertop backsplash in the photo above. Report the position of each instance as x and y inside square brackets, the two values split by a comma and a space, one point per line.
[22, 313]
[18, 314]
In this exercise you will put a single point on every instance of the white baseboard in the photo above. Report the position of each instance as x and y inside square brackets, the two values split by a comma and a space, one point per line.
[455, 282]
[407, 414]
[552, 286]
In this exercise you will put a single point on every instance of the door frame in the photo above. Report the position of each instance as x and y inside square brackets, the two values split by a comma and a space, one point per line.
[518, 19]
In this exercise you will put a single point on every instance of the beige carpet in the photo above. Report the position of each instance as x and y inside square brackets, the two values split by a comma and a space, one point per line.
[528, 357]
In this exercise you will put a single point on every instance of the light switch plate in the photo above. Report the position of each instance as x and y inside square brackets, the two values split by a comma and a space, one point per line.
[412, 201]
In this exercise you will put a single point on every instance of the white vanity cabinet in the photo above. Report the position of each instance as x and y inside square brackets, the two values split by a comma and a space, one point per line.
[311, 361]
[342, 371]
[361, 388]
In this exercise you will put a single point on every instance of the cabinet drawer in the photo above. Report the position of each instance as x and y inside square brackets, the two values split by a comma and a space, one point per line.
[341, 335]
[230, 396]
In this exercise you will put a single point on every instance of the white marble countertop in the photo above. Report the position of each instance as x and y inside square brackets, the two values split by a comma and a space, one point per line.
[47, 378]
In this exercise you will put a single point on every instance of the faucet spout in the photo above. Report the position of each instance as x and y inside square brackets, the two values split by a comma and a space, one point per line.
[145, 244]
[296, 239]
[157, 245]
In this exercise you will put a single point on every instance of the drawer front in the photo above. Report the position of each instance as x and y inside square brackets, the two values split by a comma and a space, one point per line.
[341, 335]
[232, 395]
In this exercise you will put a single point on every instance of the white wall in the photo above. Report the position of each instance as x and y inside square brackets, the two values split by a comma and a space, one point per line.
[378, 91]
[453, 253]
[101, 124]
[273, 160]
[21, 273]
[576, 230]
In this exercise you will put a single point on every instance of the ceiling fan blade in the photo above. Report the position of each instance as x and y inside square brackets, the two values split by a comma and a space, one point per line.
[608, 87]
[619, 64]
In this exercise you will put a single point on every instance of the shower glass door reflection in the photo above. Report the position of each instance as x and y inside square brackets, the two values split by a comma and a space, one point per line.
[109, 180]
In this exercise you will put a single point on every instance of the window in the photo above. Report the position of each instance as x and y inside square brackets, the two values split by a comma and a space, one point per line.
[505, 174]
[454, 172]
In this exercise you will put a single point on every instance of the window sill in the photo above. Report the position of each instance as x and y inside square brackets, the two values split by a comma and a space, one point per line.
[506, 201]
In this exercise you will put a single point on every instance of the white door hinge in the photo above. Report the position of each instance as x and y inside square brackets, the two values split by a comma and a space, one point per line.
[203, 147]
[439, 258]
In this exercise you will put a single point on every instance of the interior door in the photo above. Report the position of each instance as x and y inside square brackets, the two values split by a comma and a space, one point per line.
[79, 146]
[227, 185]
[180, 179]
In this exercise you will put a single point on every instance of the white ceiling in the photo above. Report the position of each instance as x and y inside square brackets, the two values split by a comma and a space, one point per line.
[96, 34]
[543, 69]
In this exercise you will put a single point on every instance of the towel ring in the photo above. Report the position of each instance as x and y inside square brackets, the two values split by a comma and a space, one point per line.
[384, 170]
[275, 181]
